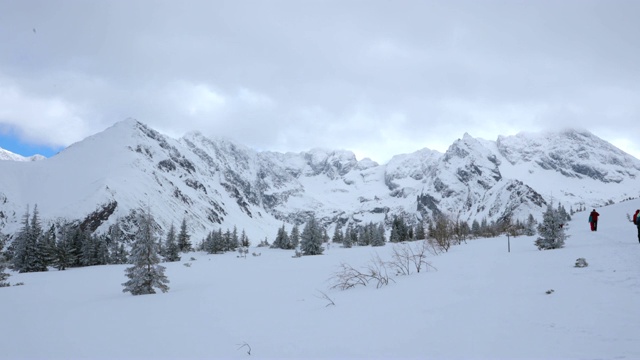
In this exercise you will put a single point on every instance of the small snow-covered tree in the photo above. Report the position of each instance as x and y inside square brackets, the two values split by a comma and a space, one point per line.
[64, 254]
[244, 239]
[294, 237]
[365, 235]
[117, 251]
[282, 239]
[28, 254]
[311, 239]
[171, 249]
[420, 231]
[347, 242]
[475, 228]
[530, 226]
[338, 237]
[551, 230]
[183, 238]
[399, 231]
[378, 238]
[145, 275]
[3, 263]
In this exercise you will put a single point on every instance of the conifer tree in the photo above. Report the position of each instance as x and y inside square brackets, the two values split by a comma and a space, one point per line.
[294, 238]
[475, 228]
[117, 251]
[218, 242]
[19, 245]
[282, 239]
[235, 240]
[64, 256]
[420, 232]
[530, 226]
[29, 256]
[311, 238]
[337, 235]
[399, 231]
[551, 232]
[3, 263]
[244, 239]
[172, 251]
[378, 238]
[3, 275]
[364, 236]
[227, 240]
[183, 238]
[347, 241]
[145, 275]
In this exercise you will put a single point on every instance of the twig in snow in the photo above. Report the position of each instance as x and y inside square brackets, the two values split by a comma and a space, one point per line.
[248, 347]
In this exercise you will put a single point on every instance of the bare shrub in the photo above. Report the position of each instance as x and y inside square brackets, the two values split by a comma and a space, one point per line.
[409, 257]
[377, 270]
[442, 232]
[347, 277]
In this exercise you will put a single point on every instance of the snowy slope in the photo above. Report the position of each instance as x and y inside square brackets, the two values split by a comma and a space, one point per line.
[215, 182]
[482, 303]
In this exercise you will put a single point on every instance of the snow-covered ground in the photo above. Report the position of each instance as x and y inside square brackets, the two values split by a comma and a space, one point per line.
[482, 302]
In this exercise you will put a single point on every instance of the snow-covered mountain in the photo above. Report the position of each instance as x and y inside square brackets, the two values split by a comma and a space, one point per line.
[8, 155]
[218, 183]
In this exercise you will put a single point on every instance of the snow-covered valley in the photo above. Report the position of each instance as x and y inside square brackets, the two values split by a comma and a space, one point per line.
[482, 302]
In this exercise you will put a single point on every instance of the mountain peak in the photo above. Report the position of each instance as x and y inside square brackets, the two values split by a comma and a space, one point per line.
[11, 156]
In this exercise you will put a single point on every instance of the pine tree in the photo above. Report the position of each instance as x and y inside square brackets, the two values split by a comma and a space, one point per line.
[244, 240]
[475, 228]
[64, 256]
[218, 242]
[29, 254]
[294, 238]
[102, 250]
[530, 226]
[117, 251]
[347, 242]
[282, 239]
[551, 232]
[378, 238]
[311, 238]
[399, 232]
[235, 240]
[145, 275]
[364, 237]
[172, 251]
[89, 254]
[337, 235]
[3, 264]
[420, 232]
[183, 238]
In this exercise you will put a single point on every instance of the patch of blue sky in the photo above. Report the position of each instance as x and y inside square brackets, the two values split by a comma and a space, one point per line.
[11, 142]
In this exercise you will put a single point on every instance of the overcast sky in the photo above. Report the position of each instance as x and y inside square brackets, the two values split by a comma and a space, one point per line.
[378, 78]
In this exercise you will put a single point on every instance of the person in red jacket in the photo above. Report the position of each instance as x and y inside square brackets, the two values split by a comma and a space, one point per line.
[593, 220]
[636, 221]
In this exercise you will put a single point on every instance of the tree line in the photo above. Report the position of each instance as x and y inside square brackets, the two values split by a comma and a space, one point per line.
[64, 244]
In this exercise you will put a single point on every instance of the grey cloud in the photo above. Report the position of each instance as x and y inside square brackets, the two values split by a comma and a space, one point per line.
[374, 76]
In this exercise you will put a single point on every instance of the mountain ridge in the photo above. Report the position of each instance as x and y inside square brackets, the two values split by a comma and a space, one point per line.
[219, 183]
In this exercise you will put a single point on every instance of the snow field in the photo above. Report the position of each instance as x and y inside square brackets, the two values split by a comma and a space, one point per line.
[482, 302]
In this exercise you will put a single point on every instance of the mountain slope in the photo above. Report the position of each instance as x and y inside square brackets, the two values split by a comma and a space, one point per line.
[218, 183]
